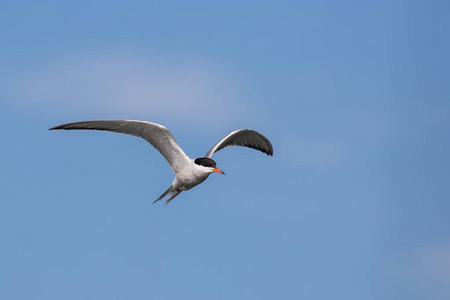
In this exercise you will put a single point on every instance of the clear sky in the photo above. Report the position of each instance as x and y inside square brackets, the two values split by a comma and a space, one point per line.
[354, 96]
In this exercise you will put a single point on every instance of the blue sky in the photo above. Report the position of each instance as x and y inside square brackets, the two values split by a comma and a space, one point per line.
[353, 95]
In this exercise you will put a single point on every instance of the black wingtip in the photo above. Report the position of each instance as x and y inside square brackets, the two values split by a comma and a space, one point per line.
[269, 151]
[56, 127]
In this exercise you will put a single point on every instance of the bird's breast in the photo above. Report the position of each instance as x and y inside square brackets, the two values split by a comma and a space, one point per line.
[186, 179]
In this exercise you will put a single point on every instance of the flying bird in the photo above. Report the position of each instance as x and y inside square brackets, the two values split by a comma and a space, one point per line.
[188, 172]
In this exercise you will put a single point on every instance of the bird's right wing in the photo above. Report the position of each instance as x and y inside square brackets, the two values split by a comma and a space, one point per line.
[157, 135]
[244, 138]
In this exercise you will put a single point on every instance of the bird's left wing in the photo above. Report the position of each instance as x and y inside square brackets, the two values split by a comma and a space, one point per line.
[245, 138]
[157, 135]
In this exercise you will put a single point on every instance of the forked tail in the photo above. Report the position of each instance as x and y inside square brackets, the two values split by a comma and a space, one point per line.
[172, 194]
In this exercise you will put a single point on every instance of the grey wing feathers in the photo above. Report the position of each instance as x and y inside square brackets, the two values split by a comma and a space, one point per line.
[157, 135]
[245, 138]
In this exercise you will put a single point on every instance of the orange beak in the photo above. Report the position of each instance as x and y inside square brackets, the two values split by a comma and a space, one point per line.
[218, 171]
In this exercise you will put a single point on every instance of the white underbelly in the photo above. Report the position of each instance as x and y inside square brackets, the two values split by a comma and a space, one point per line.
[185, 181]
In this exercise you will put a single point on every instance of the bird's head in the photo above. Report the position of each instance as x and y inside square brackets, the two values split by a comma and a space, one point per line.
[209, 164]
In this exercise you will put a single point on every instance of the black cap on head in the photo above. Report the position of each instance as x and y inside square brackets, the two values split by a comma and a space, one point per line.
[206, 162]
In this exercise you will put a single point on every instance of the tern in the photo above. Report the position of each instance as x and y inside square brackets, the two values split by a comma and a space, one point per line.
[188, 172]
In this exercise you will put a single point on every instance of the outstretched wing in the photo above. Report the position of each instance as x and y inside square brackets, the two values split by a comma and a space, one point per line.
[157, 135]
[245, 138]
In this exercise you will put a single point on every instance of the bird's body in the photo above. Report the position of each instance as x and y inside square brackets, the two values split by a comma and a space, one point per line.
[190, 176]
[188, 172]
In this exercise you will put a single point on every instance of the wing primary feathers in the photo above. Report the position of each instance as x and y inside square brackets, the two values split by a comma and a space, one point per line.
[244, 138]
